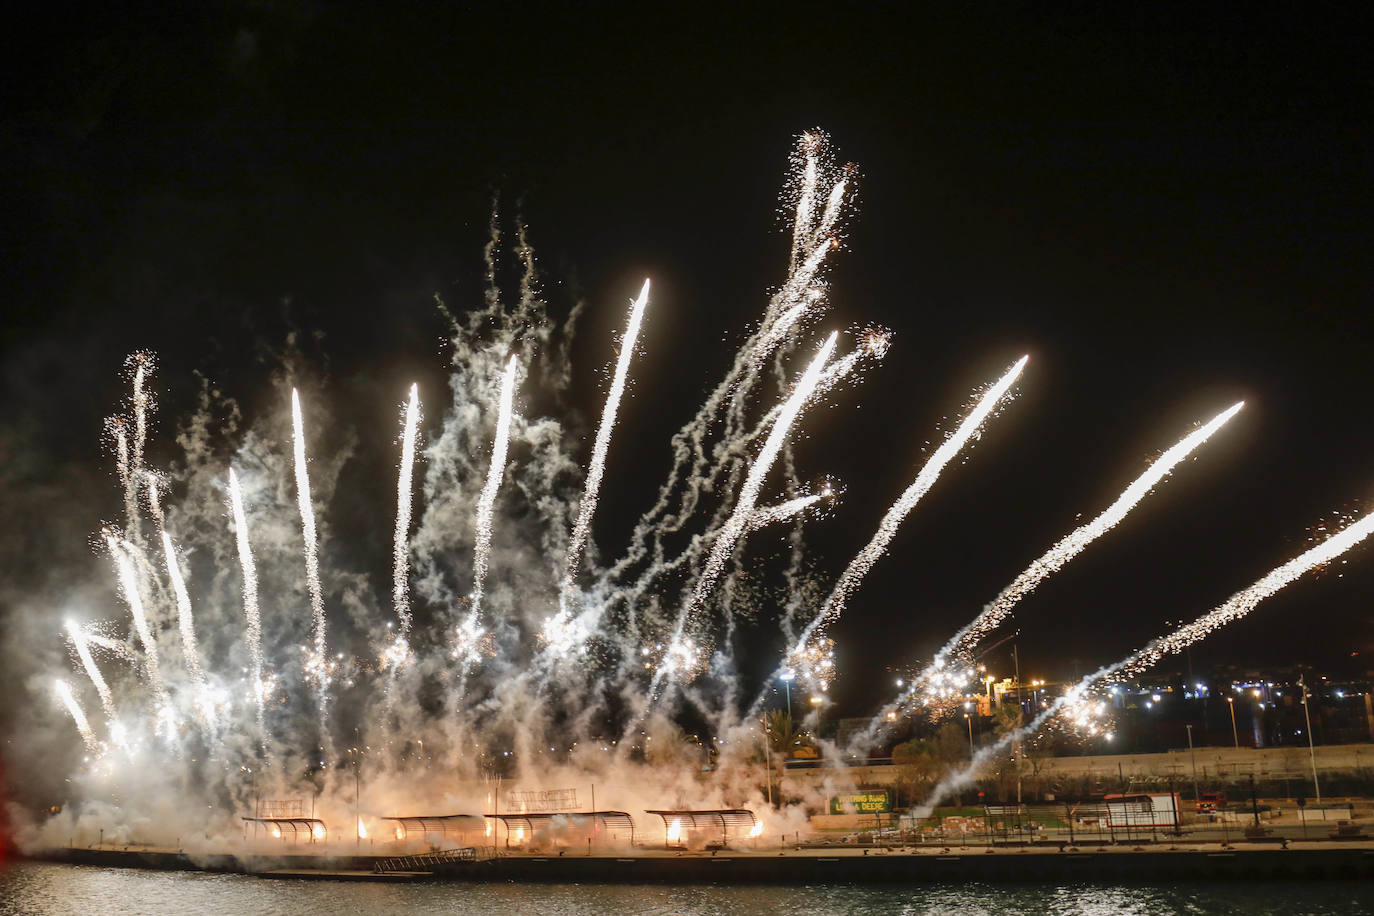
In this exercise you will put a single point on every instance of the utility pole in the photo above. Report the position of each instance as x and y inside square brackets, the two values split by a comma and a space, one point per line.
[1311, 746]
[1016, 747]
[768, 759]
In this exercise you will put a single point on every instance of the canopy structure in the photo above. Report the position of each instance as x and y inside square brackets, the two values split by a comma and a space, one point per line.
[612, 821]
[445, 825]
[726, 820]
[313, 827]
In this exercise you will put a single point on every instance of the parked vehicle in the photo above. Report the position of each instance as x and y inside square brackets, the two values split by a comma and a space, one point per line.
[1209, 802]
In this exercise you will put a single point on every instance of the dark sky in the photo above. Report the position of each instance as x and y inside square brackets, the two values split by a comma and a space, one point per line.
[1167, 212]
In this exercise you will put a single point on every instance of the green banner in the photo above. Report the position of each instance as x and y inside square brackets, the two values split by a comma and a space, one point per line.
[874, 801]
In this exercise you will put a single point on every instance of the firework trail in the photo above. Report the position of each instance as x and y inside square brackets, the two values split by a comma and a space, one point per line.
[113, 646]
[151, 483]
[887, 529]
[1243, 602]
[1074, 543]
[587, 507]
[124, 468]
[1234, 608]
[744, 506]
[129, 584]
[470, 629]
[140, 413]
[783, 511]
[739, 520]
[1050, 562]
[185, 621]
[83, 652]
[834, 373]
[809, 147]
[317, 665]
[133, 453]
[796, 298]
[250, 600]
[400, 577]
[128, 580]
[64, 692]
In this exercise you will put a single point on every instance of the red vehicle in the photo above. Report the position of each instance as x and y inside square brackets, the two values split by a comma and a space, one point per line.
[1208, 802]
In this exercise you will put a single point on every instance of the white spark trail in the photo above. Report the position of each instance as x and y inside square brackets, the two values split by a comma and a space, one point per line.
[832, 208]
[887, 529]
[783, 510]
[802, 303]
[83, 652]
[739, 520]
[185, 621]
[801, 227]
[400, 577]
[140, 416]
[834, 373]
[124, 467]
[115, 646]
[317, 668]
[1234, 608]
[1243, 602]
[64, 692]
[796, 298]
[1051, 561]
[577, 542]
[250, 599]
[749, 493]
[1076, 541]
[128, 580]
[486, 504]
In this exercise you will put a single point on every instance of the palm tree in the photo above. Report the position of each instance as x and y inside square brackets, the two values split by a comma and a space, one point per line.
[783, 736]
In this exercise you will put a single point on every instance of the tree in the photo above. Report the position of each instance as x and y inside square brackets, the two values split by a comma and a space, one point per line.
[783, 735]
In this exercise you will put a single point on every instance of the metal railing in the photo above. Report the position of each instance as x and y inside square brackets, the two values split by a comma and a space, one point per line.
[425, 861]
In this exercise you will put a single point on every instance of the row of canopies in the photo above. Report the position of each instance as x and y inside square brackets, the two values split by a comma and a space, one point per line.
[730, 822]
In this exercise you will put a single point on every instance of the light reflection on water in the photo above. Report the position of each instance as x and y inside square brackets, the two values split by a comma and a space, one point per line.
[39, 889]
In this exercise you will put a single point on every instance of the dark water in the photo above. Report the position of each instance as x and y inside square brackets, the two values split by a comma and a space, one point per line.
[34, 888]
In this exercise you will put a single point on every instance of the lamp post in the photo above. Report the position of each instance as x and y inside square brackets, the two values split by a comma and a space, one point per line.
[767, 758]
[1311, 746]
[970, 735]
[1235, 735]
[787, 684]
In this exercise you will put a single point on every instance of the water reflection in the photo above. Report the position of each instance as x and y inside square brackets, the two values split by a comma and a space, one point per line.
[39, 889]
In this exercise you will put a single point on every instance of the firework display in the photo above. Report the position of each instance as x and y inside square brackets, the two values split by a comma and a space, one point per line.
[514, 646]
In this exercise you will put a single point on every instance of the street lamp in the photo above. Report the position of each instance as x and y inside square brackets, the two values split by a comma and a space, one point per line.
[1235, 735]
[970, 734]
[787, 683]
[1311, 746]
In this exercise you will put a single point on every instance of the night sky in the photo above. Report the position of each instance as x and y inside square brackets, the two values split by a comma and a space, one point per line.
[1167, 213]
